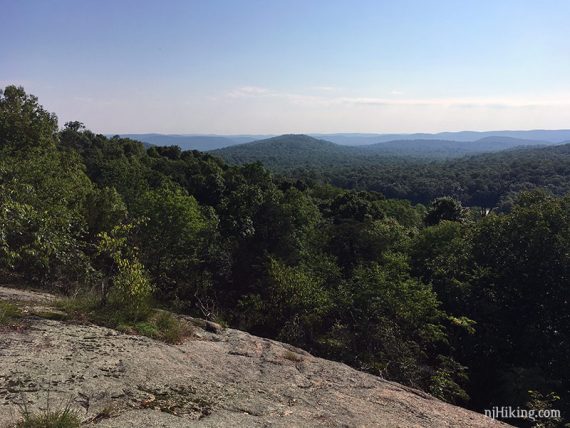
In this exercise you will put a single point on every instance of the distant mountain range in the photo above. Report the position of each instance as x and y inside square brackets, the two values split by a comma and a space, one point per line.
[213, 142]
[293, 151]
[550, 136]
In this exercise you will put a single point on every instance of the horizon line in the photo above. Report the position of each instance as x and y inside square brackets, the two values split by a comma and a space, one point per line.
[210, 134]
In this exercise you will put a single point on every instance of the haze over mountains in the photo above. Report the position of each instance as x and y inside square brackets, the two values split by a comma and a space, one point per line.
[444, 144]
[303, 150]
[356, 139]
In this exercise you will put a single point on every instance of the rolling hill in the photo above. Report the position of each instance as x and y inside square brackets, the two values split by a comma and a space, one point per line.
[213, 142]
[290, 151]
[297, 150]
[358, 139]
[479, 173]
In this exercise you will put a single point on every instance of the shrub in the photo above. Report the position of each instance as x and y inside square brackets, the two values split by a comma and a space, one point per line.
[61, 418]
[130, 286]
[171, 329]
[159, 325]
[79, 308]
[144, 328]
[8, 312]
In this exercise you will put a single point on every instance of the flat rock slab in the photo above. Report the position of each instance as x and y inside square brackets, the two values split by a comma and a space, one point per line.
[25, 295]
[216, 379]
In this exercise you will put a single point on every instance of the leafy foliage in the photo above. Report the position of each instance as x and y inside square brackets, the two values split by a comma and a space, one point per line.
[174, 237]
[444, 209]
[129, 285]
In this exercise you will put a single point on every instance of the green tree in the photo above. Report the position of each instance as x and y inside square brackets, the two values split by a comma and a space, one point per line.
[522, 286]
[388, 322]
[446, 208]
[295, 303]
[44, 193]
[175, 240]
[104, 209]
[24, 124]
[125, 283]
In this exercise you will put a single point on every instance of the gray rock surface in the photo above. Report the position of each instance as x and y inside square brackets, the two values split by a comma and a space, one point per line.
[218, 378]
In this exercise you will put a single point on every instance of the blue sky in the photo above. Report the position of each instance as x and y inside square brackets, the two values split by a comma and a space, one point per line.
[277, 66]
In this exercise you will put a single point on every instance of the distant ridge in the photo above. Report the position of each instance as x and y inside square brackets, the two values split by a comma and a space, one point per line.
[292, 142]
[356, 139]
[386, 168]
[291, 151]
[213, 141]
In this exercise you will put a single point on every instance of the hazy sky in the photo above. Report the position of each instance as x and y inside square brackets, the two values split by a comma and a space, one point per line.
[276, 66]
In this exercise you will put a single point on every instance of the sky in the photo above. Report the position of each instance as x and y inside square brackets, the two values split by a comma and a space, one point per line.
[292, 66]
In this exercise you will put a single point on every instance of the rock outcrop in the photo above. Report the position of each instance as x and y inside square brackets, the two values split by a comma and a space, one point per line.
[220, 377]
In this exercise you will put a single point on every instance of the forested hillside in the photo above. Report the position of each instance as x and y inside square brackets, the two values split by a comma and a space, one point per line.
[409, 169]
[446, 149]
[487, 180]
[288, 152]
[472, 308]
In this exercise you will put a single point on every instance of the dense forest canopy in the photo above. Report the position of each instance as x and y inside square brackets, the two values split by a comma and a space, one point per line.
[472, 308]
[287, 151]
[487, 180]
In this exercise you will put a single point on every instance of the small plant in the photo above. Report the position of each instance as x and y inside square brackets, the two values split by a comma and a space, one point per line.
[131, 288]
[446, 381]
[79, 308]
[8, 313]
[158, 325]
[172, 329]
[59, 418]
[144, 328]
